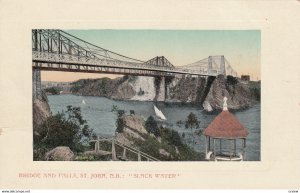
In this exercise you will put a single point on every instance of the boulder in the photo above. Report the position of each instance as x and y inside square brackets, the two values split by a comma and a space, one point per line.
[61, 153]
[135, 123]
[164, 152]
[41, 111]
[207, 106]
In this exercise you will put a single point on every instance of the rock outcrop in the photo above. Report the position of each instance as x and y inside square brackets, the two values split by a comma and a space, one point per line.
[133, 128]
[40, 112]
[165, 146]
[238, 95]
[138, 88]
[188, 89]
[164, 152]
[61, 153]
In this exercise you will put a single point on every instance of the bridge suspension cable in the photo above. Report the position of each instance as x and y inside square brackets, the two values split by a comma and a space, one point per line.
[59, 50]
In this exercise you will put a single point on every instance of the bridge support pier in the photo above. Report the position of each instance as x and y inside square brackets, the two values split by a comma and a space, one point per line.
[36, 84]
[161, 92]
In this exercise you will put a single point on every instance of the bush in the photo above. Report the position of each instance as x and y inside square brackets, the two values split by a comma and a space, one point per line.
[52, 90]
[152, 126]
[169, 142]
[121, 113]
[171, 136]
[192, 123]
[63, 129]
[255, 91]
[119, 121]
[120, 124]
[231, 80]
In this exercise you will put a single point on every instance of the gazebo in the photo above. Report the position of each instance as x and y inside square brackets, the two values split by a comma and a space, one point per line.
[225, 128]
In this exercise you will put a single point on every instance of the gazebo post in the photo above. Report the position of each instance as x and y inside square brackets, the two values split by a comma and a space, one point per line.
[234, 146]
[244, 146]
[220, 146]
[206, 145]
[214, 147]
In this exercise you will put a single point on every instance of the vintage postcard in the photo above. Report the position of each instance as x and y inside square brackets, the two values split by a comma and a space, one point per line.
[203, 95]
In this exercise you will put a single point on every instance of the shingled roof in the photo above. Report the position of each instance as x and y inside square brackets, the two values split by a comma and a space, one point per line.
[225, 125]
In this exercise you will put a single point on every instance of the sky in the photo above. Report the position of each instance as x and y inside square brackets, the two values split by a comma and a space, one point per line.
[241, 48]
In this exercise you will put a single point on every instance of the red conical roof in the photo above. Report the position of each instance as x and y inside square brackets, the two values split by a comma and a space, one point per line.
[225, 125]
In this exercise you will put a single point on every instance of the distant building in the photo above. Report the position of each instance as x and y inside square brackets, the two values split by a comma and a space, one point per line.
[245, 78]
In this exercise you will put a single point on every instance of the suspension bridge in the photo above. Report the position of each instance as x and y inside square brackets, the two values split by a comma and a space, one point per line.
[57, 50]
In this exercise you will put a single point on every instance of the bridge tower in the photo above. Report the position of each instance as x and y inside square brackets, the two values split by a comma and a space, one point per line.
[222, 66]
[36, 73]
[209, 65]
[36, 84]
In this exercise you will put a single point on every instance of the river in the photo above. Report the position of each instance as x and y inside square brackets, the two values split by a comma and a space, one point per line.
[97, 112]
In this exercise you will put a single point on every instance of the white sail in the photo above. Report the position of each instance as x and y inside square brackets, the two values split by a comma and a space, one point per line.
[83, 102]
[159, 113]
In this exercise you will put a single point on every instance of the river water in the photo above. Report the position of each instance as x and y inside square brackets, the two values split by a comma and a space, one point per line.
[97, 112]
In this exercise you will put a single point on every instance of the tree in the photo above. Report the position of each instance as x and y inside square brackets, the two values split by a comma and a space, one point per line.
[175, 138]
[231, 80]
[120, 123]
[151, 126]
[52, 90]
[192, 123]
[132, 112]
[183, 135]
[66, 128]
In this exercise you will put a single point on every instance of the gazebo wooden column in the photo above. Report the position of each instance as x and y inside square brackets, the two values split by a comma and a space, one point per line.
[214, 140]
[234, 143]
[244, 146]
[206, 145]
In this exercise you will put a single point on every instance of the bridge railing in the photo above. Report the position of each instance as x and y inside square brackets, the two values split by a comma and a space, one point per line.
[72, 59]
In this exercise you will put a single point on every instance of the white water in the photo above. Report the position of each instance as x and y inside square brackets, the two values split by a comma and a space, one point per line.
[147, 85]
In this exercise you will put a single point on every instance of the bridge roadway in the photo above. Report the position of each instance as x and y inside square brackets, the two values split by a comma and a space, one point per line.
[71, 63]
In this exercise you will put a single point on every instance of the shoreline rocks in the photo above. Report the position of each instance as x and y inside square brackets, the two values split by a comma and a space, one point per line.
[61, 153]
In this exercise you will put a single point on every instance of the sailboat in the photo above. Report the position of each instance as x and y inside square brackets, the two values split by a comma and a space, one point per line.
[159, 114]
[83, 102]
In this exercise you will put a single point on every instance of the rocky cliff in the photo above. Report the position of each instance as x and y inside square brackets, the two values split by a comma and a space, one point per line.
[237, 93]
[41, 110]
[133, 128]
[207, 92]
[188, 89]
[139, 88]
[167, 146]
